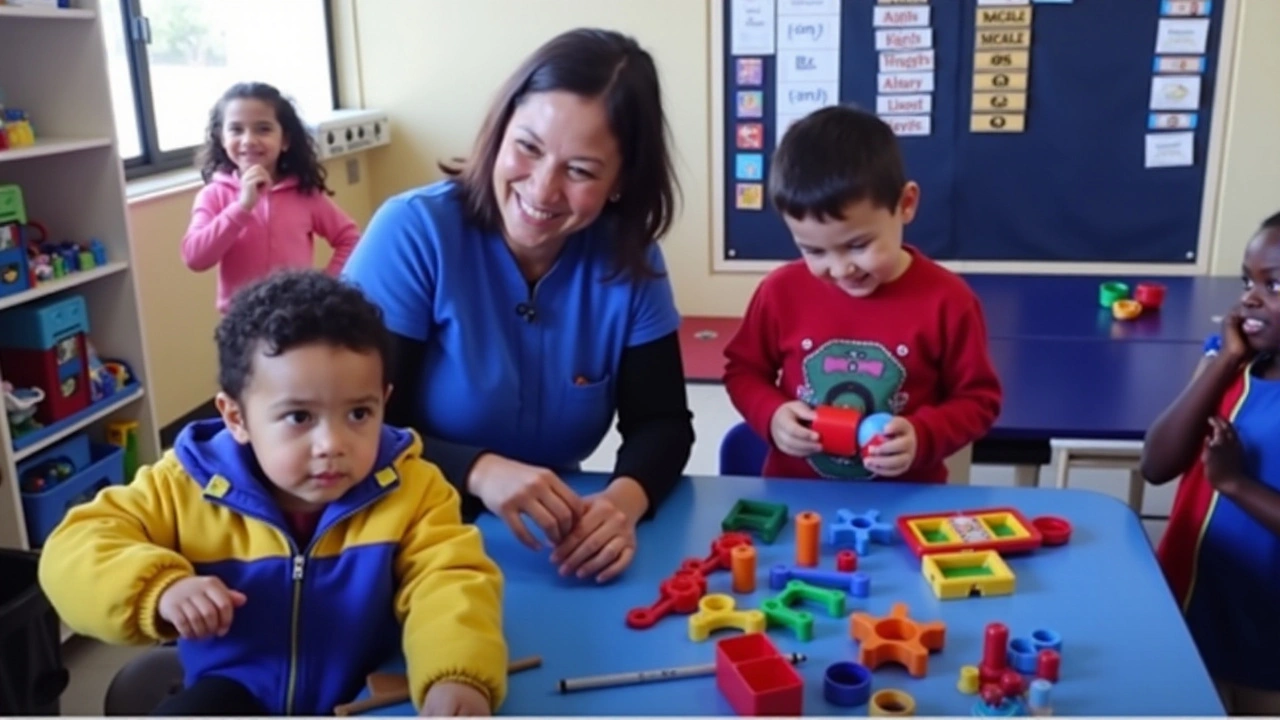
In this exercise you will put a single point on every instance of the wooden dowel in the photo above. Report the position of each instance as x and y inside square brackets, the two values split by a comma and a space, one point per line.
[373, 702]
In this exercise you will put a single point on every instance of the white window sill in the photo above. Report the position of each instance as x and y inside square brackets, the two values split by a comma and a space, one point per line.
[156, 187]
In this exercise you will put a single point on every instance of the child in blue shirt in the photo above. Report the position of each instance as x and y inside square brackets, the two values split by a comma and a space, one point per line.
[1221, 551]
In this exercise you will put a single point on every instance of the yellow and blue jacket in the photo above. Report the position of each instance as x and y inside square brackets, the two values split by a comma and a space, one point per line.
[390, 568]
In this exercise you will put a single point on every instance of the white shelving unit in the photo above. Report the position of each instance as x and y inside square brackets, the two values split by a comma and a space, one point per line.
[53, 65]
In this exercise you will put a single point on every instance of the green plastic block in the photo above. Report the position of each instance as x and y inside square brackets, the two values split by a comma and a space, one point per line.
[764, 519]
[776, 614]
[797, 590]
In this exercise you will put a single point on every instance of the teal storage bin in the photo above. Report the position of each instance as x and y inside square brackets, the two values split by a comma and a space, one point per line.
[41, 326]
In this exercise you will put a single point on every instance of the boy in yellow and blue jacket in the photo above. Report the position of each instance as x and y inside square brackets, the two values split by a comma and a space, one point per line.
[296, 543]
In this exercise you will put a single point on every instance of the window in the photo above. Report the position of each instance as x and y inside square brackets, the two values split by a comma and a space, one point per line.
[170, 60]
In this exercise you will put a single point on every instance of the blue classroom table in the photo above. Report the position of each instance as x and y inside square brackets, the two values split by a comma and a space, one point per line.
[1087, 389]
[1066, 306]
[1123, 637]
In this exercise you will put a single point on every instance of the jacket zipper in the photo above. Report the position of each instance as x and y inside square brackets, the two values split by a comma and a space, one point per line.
[299, 571]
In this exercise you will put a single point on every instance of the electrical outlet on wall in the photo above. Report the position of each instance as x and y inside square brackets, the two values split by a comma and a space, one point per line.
[343, 132]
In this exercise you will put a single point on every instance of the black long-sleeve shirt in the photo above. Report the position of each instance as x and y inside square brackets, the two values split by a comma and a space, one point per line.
[653, 419]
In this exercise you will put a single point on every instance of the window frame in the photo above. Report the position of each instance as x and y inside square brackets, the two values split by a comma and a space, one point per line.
[153, 161]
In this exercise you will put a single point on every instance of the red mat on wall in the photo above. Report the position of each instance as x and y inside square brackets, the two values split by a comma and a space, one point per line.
[702, 341]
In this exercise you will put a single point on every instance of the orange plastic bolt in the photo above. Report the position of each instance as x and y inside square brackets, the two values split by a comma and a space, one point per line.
[807, 526]
[743, 558]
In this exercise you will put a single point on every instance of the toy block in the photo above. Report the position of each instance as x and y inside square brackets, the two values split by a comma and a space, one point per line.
[1004, 530]
[966, 574]
[897, 638]
[798, 590]
[680, 592]
[777, 614]
[763, 518]
[808, 530]
[756, 679]
[837, 429]
[892, 703]
[677, 594]
[715, 612]
[847, 684]
[780, 575]
[860, 530]
[743, 558]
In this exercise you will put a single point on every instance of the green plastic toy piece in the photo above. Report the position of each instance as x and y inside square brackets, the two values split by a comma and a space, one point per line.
[796, 590]
[764, 519]
[778, 615]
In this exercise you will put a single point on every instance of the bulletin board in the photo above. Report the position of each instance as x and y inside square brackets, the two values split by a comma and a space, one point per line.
[1065, 131]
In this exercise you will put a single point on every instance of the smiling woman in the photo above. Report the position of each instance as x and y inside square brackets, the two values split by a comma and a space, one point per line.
[530, 302]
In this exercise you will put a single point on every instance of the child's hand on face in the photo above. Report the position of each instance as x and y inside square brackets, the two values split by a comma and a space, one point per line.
[1223, 455]
[892, 457]
[790, 433]
[200, 607]
[1234, 344]
[252, 182]
[453, 699]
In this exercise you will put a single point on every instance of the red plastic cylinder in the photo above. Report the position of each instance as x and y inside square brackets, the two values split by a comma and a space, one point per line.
[995, 649]
[837, 429]
[846, 561]
[1048, 664]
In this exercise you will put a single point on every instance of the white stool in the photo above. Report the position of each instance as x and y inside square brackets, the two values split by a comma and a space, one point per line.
[1110, 454]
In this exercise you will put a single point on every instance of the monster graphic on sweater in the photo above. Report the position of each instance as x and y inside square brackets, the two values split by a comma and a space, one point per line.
[860, 375]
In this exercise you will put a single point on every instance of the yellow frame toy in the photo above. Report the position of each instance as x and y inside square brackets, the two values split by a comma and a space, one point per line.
[968, 573]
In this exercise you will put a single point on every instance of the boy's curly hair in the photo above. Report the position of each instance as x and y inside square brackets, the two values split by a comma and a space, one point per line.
[290, 308]
[300, 160]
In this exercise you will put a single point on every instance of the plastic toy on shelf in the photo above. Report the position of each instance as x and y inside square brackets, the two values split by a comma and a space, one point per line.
[20, 406]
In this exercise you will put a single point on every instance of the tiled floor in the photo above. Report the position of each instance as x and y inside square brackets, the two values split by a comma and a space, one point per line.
[92, 665]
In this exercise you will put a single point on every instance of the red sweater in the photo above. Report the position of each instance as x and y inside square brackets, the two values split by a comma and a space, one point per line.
[917, 347]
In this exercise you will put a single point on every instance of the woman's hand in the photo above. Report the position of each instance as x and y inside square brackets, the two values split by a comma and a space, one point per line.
[513, 490]
[603, 543]
[1223, 457]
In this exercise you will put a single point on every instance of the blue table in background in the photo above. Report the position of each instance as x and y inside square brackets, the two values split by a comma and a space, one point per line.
[1126, 650]
[1087, 389]
[1066, 306]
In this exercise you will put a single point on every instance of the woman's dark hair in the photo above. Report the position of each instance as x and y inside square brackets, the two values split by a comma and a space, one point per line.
[299, 160]
[590, 63]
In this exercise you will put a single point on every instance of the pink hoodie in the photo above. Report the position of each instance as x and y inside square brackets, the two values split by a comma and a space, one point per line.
[278, 233]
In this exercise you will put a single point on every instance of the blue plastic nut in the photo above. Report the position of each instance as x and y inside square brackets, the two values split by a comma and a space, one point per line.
[871, 426]
[860, 584]
[860, 530]
[847, 684]
[1022, 656]
[1046, 640]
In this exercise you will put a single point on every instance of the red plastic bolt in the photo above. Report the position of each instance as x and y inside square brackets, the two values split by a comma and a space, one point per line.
[1012, 684]
[1048, 665]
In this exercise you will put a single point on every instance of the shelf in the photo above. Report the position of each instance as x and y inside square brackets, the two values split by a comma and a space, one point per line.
[65, 282]
[52, 146]
[26, 447]
[45, 13]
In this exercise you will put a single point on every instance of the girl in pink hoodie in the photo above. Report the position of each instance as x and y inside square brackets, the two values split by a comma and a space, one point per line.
[264, 198]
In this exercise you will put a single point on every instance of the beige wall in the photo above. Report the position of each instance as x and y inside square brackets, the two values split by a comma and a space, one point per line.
[1249, 187]
[177, 304]
[433, 65]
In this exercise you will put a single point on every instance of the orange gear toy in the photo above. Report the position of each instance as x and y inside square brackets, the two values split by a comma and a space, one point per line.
[897, 638]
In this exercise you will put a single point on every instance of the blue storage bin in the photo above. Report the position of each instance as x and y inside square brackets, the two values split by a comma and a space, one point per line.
[41, 326]
[45, 509]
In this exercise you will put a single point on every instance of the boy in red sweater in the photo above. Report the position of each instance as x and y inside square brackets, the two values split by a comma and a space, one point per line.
[861, 320]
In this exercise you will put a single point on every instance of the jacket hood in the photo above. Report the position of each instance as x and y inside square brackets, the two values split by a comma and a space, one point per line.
[207, 450]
